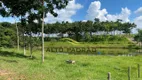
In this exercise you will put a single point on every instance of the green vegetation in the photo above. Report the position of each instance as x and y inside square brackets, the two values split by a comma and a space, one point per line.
[138, 37]
[84, 31]
[83, 44]
[100, 41]
[36, 10]
[109, 38]
[7, 35]
[9, 39]
[56, 68]
[97, 32]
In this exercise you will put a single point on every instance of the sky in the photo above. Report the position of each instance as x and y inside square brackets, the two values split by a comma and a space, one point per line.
[111, 10]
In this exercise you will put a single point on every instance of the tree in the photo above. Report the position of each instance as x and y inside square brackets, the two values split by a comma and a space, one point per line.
[127, 27]
[89, 27]
[17, 35]
[63, 28]
[97, 25]
[138, 37]
[107, 26]
[37, 7]
[76, 30]
[7, 35]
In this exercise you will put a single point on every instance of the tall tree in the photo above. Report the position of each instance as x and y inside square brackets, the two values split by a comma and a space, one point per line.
[17, 30]
[39, 7]
[127, 27]
[43, 14]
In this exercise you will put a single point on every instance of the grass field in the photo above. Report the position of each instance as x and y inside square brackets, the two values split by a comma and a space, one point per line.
[19, 67]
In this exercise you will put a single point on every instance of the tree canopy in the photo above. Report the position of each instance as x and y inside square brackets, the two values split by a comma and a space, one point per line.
[30, 10]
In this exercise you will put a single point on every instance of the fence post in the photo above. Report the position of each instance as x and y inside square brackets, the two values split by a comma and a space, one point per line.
[138, 70]
[129, 73]
[109, 76]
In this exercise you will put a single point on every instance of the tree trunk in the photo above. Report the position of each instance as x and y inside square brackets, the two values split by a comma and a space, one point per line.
[17, 36]
[24, 49]
[107, 32]
[62, 35]
[24, 42]
[141, 45]
[24, 45]
[43, 35]
[91, 34]
[114, 32]
[31, 45]
[76, 36]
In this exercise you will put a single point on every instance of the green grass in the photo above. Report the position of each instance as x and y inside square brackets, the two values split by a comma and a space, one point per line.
[67, 42]
[82, 44]
[55, 67]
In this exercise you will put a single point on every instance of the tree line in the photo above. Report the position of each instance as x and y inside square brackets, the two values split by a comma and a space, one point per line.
[76, 30]
[79, 29]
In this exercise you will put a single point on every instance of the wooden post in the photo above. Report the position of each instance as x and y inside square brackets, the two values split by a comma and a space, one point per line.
[109, 76]
[138, 70]
[129, 73]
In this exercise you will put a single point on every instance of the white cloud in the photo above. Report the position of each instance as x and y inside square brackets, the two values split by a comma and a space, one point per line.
[138, 21]
[64, 14]
[124, 15]
[95, 11]
[138, 11]
[84, 20]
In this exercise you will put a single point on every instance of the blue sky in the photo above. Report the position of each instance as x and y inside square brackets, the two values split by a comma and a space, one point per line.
[82, 10]
[112, 6]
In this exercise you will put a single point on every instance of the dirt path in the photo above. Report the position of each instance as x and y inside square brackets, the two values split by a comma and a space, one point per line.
[4, 72]
[11, 76]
